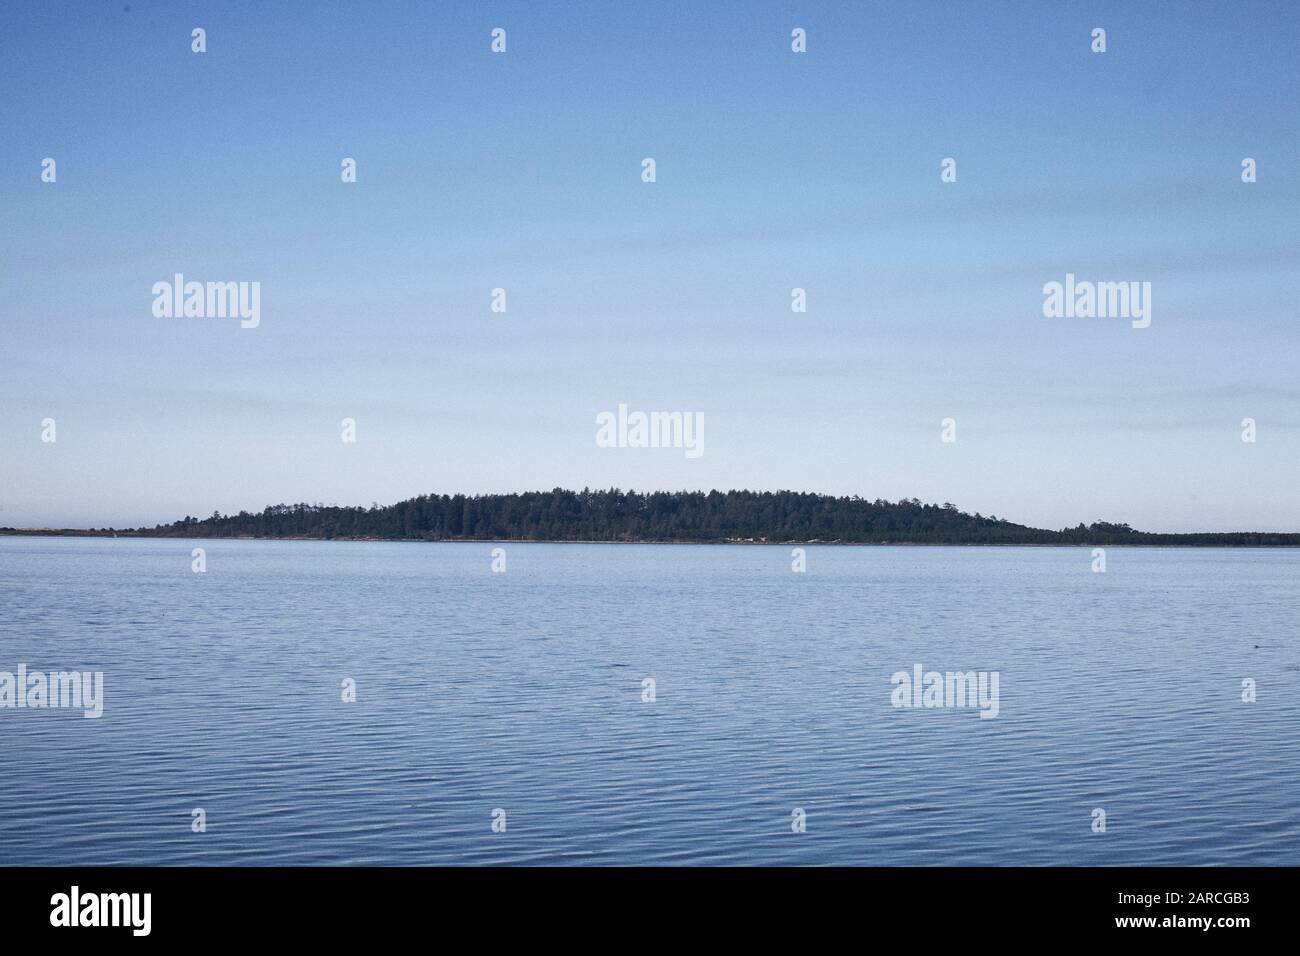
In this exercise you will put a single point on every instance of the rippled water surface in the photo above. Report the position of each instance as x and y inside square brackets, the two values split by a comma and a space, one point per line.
[523, 691]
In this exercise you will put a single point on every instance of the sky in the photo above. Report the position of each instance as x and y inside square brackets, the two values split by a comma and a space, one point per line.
[774, 170]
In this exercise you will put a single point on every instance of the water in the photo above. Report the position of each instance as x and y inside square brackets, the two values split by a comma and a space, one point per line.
[523, 691]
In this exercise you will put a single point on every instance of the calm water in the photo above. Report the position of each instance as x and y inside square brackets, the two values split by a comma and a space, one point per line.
[523, 691]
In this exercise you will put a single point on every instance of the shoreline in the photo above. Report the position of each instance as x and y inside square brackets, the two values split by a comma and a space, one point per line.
[72, 533]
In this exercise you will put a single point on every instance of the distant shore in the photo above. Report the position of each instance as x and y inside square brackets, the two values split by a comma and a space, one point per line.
[613, 516]
[794, 542]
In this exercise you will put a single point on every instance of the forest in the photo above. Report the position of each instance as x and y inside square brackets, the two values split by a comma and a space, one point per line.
[665, 516]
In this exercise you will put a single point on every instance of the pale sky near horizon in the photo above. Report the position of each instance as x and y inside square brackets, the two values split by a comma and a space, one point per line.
[775, 170]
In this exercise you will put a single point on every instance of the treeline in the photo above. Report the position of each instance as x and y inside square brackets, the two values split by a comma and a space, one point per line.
[715, 516]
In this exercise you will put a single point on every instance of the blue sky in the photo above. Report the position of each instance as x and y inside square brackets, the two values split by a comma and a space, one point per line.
[774, 170]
